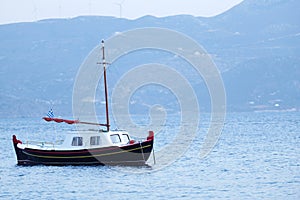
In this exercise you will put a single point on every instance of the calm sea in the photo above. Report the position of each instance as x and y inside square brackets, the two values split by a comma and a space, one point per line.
[256, 157]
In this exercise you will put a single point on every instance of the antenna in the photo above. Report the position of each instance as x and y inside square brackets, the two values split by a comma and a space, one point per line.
[120, 6]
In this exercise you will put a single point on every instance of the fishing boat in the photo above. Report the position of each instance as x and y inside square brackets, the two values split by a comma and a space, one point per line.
[100, 146]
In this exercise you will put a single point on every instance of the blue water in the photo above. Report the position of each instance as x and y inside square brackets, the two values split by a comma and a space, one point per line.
[256, 157]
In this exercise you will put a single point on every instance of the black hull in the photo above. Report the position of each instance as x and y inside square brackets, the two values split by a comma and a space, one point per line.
[133, 155]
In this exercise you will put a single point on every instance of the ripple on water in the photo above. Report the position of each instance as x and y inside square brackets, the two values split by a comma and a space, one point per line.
[257, 157]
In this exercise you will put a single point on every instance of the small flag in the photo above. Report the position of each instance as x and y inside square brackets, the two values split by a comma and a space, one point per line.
[50, 113]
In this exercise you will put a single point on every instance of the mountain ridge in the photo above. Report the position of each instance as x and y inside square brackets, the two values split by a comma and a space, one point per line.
[37, 58]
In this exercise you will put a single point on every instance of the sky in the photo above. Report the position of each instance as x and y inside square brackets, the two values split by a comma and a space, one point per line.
[12, 11]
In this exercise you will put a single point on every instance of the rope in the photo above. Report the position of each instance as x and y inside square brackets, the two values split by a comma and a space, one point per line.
[154, 160]
[142, 152]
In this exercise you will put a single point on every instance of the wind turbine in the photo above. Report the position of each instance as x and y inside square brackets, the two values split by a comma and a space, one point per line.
[34, 11]
[120, 6]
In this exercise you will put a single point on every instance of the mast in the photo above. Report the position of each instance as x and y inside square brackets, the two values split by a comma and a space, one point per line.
[105, 86]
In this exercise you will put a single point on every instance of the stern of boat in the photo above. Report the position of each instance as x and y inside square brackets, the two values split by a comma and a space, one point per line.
[147, 146]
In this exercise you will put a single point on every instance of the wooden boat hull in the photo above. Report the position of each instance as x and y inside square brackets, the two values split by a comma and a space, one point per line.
[132, 154]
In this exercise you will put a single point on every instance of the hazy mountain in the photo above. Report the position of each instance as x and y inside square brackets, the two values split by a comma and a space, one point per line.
[256, 46]
[260, 46]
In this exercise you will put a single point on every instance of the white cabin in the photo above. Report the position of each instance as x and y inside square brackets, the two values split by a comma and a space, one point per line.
[94, 139]
[87, 139]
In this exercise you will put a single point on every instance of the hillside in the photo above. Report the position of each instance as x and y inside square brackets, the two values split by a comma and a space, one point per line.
[255, 45]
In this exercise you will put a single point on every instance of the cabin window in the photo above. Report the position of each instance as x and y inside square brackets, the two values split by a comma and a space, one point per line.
[77, 141]
[125, 138]
[95, 140]
[115, 138]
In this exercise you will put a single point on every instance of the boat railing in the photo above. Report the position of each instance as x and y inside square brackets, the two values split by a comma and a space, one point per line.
[44, 144]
